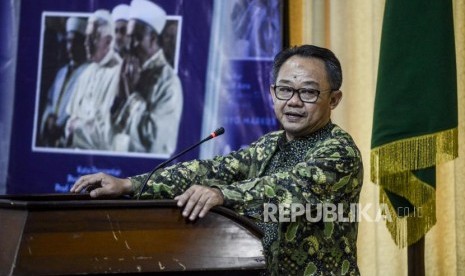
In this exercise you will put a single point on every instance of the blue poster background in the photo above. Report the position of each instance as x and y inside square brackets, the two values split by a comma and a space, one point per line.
[38, 172]
[239, 73]
[9, 13]
[244, 97]
[225, 60]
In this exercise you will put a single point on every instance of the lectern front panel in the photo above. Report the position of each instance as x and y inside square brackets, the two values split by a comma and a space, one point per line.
[125, 236]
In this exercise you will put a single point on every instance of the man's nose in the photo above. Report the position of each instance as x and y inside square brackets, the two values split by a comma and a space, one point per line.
[295, 99]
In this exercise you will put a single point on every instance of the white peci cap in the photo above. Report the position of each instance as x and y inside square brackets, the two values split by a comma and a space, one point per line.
[107, 27]
[149, 13]
[75, 24]
[120, 12]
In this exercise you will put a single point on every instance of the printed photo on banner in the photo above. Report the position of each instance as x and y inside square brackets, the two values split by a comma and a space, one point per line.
[254, 25]
[108, 82]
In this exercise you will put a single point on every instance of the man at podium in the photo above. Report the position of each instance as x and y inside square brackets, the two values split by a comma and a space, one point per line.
[285, 180]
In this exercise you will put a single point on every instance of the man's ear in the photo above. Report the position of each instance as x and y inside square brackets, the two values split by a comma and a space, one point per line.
[154, 37]
[335, 98]
[155, 41]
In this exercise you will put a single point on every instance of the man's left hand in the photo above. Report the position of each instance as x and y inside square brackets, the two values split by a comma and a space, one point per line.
[198, 200]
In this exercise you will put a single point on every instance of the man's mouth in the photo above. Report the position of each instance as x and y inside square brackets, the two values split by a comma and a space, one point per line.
[294, 114]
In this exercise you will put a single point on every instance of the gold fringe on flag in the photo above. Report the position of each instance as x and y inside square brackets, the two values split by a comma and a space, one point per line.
[414, 153]
[409, 229]
[391, 167]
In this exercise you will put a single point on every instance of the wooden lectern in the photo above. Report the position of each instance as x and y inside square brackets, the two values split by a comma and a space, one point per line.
[73, 234]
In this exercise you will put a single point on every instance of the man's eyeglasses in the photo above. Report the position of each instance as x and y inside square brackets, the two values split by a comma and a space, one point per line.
[306, 95]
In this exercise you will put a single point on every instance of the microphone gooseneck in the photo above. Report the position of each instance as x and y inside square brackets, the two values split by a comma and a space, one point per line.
[212, 135]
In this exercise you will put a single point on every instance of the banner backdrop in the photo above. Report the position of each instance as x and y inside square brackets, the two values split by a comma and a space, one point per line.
[9, 14]
[71, 119]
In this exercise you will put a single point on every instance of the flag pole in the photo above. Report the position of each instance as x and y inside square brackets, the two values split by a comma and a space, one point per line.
[416, 258]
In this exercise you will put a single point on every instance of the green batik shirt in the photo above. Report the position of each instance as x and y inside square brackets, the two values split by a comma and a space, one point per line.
[311, 173]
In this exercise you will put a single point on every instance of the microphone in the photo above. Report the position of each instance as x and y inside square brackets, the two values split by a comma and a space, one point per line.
[214, 134]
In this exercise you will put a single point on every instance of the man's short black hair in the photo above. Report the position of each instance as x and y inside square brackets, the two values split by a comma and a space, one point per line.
[332, 64]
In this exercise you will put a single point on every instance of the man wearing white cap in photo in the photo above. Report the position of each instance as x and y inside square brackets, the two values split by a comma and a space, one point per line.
[54, 117]
[120, 15]
[89, 125]
[149, 120]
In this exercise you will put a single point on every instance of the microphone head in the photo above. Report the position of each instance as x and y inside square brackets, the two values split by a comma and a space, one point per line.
[216, 133]
[219, 131]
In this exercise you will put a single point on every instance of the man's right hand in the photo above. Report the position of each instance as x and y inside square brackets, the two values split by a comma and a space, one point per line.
[198, 200]
[103, 185]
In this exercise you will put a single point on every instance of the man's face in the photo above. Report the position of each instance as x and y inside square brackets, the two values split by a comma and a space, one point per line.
[97, 46]
[121, 37]
[141, 40]
[75, 47]
[298, 118]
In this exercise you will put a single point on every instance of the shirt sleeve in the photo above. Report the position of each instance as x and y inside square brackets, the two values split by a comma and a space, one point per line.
[174, 180]
[331, 173]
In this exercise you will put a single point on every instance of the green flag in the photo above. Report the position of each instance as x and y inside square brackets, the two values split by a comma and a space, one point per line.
[415, 116]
